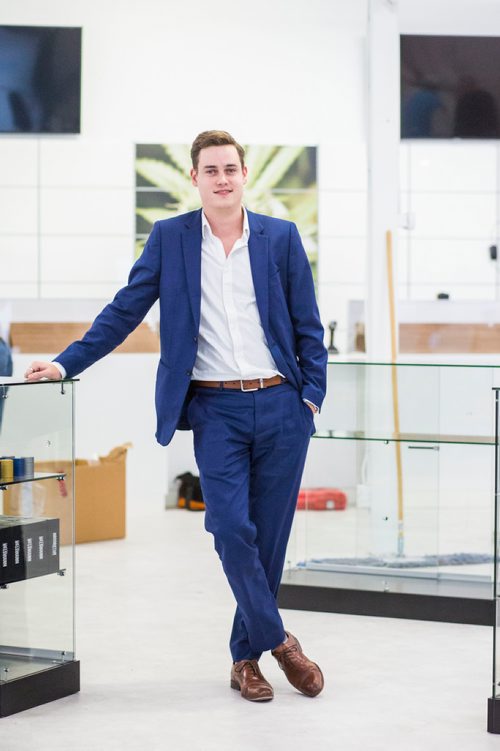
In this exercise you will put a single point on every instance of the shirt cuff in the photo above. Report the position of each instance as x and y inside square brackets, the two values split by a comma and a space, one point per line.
[314, 406]
[61, 368]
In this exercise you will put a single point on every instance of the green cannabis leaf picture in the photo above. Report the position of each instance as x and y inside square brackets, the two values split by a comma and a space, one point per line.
[281, 183]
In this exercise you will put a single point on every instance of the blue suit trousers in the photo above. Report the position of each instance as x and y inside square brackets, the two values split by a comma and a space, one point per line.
[250, 449]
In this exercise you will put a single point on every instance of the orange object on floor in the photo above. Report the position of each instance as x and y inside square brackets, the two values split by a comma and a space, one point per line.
[321, 499]
[190, 504]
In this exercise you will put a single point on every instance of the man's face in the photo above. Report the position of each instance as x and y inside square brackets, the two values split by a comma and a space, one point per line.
[219, 178]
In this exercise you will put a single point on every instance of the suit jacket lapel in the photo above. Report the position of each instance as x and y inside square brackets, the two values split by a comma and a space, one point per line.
[258, 249]
[191, 248]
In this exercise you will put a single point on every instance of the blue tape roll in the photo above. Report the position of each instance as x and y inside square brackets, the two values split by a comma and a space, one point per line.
[19, 467]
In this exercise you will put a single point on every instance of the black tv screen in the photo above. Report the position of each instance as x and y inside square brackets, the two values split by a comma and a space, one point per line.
[450, 87]
[40, 79]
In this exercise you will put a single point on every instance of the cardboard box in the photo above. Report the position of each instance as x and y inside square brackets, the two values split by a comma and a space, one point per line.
[100, 497]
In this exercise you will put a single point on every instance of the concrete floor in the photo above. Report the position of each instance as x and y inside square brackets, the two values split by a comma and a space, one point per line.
[153, 620]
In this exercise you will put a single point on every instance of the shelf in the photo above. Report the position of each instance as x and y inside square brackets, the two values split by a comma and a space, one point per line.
[37, 476]
[6, 381]
[386, 437]
[415, 363]
[6, 584]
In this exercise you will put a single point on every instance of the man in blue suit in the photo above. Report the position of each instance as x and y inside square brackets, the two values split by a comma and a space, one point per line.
[244, 366]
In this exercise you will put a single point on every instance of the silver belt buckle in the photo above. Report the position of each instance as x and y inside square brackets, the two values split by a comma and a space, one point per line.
[255, 389]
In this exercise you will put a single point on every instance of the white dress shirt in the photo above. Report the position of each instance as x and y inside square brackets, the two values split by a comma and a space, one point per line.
[231, 341]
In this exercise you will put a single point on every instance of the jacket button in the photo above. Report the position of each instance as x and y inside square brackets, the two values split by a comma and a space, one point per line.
[189, 372]
[195, 338]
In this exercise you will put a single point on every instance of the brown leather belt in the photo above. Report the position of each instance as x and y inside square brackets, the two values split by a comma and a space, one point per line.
[252, 384]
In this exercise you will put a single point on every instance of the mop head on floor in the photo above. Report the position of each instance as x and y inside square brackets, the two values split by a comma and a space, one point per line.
[424, 561]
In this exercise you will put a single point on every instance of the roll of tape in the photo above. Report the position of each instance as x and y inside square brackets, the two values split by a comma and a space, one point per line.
[7, 470]
[29, 466]
[19, 467]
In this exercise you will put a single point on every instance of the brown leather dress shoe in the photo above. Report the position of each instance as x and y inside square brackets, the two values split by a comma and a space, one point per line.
[301, 672]
[247, 678]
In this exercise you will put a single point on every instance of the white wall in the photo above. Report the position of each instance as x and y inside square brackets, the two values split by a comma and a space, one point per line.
[451, 187]
[452, 190]
[283, 72]
[161, 71]
[467, 17]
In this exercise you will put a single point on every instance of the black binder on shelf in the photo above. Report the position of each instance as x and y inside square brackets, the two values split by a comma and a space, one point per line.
[29, 547]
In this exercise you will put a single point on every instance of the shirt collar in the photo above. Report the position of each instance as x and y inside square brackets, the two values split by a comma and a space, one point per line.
[206, 230]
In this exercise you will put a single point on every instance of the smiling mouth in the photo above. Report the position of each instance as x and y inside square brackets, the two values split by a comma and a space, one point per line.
[224, 191]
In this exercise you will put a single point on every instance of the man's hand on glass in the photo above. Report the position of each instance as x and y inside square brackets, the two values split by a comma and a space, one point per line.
[38, 370]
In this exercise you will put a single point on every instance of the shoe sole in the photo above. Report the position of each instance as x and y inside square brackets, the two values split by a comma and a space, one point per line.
[236, 687]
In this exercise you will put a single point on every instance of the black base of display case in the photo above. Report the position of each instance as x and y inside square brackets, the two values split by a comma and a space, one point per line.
[493, 715]
[447, 602]
[39, 688]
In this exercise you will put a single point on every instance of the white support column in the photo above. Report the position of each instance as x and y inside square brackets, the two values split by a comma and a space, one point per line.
[383, 168]
[383, 199]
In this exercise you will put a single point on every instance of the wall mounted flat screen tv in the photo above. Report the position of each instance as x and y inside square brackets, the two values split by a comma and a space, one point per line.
[40, 79]
[450, 87]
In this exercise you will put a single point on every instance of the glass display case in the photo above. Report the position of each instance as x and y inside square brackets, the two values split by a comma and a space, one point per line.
[494, 700]
[37, 622]
[396, 513]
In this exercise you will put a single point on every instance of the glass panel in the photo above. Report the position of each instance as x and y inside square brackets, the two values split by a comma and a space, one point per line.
[360, 512]
[409, 451]
[496, 654]
[37, 577]
[434, 403]
[466, 511]
[496, 571]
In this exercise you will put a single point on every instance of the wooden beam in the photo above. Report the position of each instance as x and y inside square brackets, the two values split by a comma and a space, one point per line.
[52, 338]
[461, 338]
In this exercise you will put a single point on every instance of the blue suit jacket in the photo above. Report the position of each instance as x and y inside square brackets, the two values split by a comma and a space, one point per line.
[170, 269]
